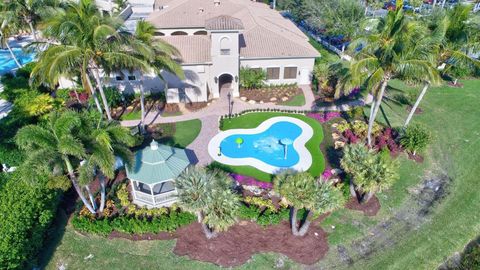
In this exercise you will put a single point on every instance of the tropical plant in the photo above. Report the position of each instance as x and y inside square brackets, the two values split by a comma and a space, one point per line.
[53, 148]
[6, 30]
[398, 47]
[370, 172]
[208, 195]
[104, 141]
[158, 55]
[416, 138]
[252, 78]
[91, 45]
[302, 191]
[29, 12]
[455, 37]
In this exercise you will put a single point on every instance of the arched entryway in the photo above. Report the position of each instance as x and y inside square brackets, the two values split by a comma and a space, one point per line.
[225, 82]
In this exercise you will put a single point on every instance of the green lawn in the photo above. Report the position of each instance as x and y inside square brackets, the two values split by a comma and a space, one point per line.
[184, 133]
[452, 115]
[134, 115]
[252, 120]
[296, 101]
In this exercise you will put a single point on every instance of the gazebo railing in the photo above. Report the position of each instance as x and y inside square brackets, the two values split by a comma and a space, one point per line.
[165, 197]
[146, 198]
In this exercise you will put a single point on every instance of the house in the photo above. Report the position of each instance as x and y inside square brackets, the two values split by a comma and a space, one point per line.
[217, 37]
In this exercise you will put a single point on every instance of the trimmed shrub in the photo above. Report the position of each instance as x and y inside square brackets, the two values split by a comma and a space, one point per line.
[415, 138]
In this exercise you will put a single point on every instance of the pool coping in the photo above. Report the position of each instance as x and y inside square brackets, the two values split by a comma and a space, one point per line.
[299, 144]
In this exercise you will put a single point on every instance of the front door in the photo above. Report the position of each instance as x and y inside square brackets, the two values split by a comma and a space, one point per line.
[305, 76]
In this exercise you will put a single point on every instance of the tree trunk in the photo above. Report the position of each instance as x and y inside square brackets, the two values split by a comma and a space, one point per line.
[371, 121]
[366, 197]
[142, 107]
[415, 106]
[12, 54]
[102, 192]
[90, 195]
[92, 91]
[434, 3]
[73, 178]
[208, 232]
[30, 24]
[306, 224]
[293, 220]
[96, 75]
[366, 9]
[76, 95]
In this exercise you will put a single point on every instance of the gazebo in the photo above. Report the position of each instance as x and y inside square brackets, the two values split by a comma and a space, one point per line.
[153, 176]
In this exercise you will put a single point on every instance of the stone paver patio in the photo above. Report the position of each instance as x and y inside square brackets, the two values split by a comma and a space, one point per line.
[209, 116]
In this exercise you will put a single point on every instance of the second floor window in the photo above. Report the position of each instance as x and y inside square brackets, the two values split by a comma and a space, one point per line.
[225, 51]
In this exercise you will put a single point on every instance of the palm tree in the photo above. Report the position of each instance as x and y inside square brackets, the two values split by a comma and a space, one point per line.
[302, 191]
[104, 141]
[53, 148]
[29, 12]
[5, 32]
[370, 172]
[162, 58]
[208, 194]
[455, 37]
[393, 50]
[89, 43]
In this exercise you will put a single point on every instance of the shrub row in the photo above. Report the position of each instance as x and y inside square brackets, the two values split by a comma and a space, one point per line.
[133, 225]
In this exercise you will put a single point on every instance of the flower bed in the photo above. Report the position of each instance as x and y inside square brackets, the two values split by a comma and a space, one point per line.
[323, 117]
[250, 181]
[274, 94]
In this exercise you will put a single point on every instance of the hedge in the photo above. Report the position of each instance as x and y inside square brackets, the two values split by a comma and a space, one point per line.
[133, 225]
[26, 212]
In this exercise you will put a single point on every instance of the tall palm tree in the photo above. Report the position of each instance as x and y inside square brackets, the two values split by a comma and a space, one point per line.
[89, 43]
[29, 12]
[392, 50]
[104, 141]
[162, 60]
[302, 191]
[208, 194]
[455, 37]
[54, 148]
[370, 172]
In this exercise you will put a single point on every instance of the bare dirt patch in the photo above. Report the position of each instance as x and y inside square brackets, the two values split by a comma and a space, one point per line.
[417, 111]
[417, 158]
[369, 208]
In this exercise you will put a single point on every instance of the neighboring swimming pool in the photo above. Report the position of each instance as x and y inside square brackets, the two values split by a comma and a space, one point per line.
[276, 144]
[7, 63]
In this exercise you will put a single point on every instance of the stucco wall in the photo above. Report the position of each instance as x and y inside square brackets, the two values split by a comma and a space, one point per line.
[224, 64]
[304, 68]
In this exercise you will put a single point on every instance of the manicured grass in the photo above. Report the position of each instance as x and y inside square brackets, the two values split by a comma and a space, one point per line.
[252, 120]
[298, 100]
[135, 115]
[185, 133]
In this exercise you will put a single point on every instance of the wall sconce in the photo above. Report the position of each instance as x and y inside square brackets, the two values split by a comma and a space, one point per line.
[236, 78]
[215, 79]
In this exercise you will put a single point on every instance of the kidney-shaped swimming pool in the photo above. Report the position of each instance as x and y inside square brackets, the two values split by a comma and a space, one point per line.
[276, 144]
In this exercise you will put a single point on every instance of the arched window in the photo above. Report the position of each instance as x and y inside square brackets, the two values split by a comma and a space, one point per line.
[179, 33]
[159, 34]
[225, 46]
[201, 32]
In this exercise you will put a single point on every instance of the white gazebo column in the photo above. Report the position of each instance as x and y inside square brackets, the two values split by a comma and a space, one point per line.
[153, 196]
[134, 190]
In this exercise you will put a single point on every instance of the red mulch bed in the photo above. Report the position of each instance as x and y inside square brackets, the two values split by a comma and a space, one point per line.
[370, 208]
[236, 246]
[266, 94]
[417, 158]
[458, 85]
[195, 106]
[417, 111]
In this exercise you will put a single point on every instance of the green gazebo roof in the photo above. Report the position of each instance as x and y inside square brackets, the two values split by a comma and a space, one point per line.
[158, 163]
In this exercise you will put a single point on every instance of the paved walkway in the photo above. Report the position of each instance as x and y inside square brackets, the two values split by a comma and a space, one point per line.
[209, 116]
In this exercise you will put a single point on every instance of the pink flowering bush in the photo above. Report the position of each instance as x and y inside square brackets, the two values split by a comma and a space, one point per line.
[250, 181]
[327, 174]
[323, 117]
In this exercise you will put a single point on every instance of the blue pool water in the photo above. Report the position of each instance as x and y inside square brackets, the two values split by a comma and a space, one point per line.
[7, 63]
[265, 146]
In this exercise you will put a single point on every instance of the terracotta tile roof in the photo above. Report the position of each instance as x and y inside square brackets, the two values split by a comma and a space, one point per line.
[193, 49]
[223, 22]
[266, 33]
